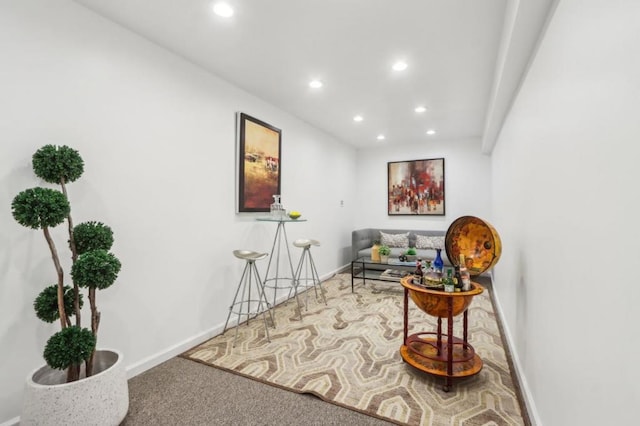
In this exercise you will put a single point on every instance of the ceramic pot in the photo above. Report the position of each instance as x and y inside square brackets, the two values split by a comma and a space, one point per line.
[102, 399]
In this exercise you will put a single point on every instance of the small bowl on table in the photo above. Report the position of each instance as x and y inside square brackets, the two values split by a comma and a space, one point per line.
[294, 215]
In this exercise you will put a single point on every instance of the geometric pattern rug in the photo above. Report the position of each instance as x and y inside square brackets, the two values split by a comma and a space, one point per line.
[347, 353]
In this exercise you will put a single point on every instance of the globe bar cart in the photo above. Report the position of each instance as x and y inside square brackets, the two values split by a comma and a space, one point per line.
[438, 353]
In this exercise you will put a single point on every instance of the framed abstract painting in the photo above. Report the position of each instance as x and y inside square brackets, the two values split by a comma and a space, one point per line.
[259, 164]
[416, 187]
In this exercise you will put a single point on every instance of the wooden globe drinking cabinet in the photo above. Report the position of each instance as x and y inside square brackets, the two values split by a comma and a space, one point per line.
[438, 353]
[435, 352]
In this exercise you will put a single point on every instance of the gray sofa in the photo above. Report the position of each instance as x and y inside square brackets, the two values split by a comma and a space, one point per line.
[362, 241]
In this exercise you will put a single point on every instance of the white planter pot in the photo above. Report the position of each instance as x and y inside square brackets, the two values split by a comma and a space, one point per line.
[102, 399]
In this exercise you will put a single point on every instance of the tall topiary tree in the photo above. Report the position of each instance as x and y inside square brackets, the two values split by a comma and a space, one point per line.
[93, 267]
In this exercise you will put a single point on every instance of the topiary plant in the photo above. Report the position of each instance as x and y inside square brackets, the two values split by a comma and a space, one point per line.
[46, 304]
[93, 267]
[92, 236]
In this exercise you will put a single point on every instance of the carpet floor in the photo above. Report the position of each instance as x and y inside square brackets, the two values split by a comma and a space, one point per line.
[347, 353]
[182, 392]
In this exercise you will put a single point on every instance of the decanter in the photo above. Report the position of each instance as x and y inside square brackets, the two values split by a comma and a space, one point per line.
[438, 263]
[277, 210]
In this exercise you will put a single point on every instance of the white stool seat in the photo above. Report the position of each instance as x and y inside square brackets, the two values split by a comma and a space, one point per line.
[301, 243]
[249, 255]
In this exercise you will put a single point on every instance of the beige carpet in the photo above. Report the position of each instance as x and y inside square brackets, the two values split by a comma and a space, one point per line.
[347, 353]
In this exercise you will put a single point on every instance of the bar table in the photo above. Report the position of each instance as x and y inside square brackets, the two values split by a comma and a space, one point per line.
[275, 281]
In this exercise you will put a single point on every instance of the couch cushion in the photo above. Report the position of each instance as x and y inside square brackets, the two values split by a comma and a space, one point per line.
[394, 240]
[429, 242]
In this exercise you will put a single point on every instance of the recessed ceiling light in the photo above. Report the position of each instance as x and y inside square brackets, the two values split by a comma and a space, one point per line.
[358, 118]
[380, 137]
[420, 109]
[431, 132]
[400, 66]
[223, 9]
[315, 84]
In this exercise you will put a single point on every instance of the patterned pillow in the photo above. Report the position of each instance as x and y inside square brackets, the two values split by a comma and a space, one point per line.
[429, 242]
[394, 240]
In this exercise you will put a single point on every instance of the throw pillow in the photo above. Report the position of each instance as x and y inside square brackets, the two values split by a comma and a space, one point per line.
[429, 242]
[394, 240]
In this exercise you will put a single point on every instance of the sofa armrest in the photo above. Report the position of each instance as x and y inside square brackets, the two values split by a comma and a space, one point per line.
[361, 239]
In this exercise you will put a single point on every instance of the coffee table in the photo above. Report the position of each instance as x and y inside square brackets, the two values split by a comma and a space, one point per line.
[365, 268]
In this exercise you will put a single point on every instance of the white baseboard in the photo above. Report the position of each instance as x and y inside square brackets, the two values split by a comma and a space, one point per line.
[522, 379]
[172, 351]
[12, 422]
[175, 350]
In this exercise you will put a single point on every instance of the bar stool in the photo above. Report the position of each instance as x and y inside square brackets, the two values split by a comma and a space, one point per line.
[306, 262]
[250, 276]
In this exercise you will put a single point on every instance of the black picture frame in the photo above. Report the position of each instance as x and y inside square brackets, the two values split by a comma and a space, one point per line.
[416, 187]
[259, 163]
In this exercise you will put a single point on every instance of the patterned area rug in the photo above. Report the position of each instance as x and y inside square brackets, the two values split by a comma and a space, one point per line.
[347, 353]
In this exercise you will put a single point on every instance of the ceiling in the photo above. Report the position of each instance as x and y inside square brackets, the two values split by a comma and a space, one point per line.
[465, 59]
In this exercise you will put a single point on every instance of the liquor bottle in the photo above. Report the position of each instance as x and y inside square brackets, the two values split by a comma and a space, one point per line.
[465, 277]
[450, 274]
[448, 281]
[418, 274]
[457, 278]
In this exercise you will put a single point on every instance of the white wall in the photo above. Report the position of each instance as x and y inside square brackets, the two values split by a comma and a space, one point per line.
[566, 200]
[157, 135]
[158, 138]
[467, 183]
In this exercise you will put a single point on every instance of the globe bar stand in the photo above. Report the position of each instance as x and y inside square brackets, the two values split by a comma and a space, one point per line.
[436, 353]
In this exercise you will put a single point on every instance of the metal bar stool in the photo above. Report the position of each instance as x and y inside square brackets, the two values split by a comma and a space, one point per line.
[250, 276]
[311, 277]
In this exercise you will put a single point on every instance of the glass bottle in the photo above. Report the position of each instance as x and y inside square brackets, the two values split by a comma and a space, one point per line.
[465, 276]
[418, 274]
[448, 281]
[457, 278]
[426, 266]
[438, 263]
